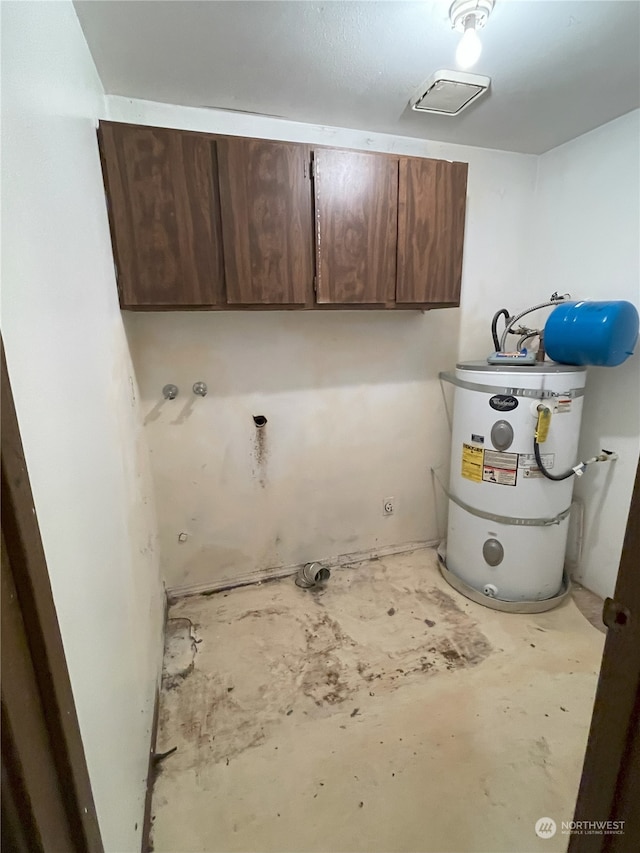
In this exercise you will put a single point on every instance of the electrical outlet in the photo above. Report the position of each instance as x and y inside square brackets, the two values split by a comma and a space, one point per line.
[388, 505]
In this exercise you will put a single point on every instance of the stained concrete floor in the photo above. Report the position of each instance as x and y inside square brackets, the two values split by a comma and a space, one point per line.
[382, 713]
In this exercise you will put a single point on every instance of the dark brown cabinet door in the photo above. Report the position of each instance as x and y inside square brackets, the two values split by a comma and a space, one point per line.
[266, 221]
[165, 216]
[431, 214]
[356, 226]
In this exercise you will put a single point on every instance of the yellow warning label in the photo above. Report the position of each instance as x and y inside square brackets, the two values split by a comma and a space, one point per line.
[542, 427]
[472, 462]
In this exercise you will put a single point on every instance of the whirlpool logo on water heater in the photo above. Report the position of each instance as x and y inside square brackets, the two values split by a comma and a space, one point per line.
[503, 403]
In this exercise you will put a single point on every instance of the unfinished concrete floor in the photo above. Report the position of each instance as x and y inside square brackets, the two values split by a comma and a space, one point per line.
[382, 713]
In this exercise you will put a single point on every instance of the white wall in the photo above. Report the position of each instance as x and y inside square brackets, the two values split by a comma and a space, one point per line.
[354, 415]
[586, 243]
[353, 402]
[76, 400]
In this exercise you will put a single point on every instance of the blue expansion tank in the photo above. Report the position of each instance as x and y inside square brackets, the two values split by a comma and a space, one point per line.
[597, 333]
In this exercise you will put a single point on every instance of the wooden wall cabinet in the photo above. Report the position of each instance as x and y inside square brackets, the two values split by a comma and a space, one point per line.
[266, 221]
[356, 206]
[432, 196]
[164, 212]
[213, 222]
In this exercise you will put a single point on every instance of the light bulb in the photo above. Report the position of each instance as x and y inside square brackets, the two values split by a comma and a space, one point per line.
[470, 47]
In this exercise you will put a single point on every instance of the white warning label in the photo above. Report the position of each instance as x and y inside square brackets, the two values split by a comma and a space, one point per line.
[500, 468]
[562, 404]
[529, 467]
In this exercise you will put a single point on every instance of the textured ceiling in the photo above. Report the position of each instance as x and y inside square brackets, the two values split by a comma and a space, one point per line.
[559, 67]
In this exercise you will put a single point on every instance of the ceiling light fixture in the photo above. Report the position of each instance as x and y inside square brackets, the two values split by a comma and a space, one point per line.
[469, 16]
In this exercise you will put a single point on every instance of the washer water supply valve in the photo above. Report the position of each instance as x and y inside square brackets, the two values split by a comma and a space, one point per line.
[170, 392]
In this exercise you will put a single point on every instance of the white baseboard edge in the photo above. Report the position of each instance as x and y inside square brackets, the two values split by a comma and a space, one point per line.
[262, 575]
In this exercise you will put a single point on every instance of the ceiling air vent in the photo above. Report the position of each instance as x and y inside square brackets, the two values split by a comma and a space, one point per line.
[447, 93]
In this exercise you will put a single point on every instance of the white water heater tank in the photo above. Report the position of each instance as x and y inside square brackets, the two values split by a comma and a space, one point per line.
[508, 523]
